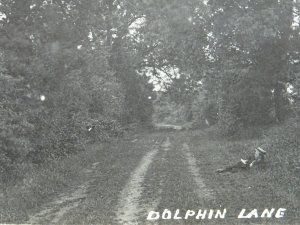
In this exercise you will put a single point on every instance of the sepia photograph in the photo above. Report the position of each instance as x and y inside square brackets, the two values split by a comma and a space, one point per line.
[150, 112]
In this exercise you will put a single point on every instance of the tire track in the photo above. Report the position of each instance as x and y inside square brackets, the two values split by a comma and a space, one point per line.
[154, 183]
[202, 191]
[131, 205]
[128, 208]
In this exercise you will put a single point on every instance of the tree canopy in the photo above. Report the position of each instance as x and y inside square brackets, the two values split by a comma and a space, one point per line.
[76, 70]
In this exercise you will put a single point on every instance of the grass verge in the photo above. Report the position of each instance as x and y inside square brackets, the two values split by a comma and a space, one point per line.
[41, 183]
[277, 184]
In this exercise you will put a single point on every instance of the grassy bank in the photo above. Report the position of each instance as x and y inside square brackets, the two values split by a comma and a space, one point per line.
[42, 183]
[274, 185]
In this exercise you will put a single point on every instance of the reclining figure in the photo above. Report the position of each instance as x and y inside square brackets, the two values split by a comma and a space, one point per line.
[244, 164]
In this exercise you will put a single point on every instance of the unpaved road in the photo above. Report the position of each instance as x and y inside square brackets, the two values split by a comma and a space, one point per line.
[144, 173]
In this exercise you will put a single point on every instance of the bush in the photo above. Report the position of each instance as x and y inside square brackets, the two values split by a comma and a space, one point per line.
[228, 122]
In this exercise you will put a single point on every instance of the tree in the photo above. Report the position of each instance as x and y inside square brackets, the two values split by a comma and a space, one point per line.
[250, 50]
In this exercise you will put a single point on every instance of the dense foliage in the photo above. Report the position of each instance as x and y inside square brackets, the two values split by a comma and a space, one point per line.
[239, 60]
[68, 78]
[75, 71]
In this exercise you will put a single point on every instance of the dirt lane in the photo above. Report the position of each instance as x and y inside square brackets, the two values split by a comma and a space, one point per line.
[151, 172]
[160, 171]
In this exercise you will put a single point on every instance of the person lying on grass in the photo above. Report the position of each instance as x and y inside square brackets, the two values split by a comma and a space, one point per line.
[258, 158]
